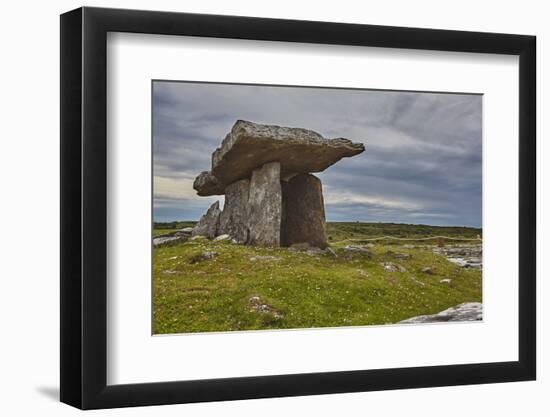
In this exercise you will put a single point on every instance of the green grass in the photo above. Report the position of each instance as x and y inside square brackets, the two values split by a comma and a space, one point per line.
[337, 231]
[308, 291]
[158, 232]
[171, 227]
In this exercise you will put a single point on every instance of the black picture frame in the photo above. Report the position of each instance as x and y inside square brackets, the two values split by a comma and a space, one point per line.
[84, 207]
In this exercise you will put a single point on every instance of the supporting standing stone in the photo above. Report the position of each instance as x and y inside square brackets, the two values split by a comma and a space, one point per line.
[233, 220]
[304, 212]
[265, 206]
[208, 224]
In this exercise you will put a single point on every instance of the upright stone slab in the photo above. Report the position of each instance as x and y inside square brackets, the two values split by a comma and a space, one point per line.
[233, 220]
[265, 206]
[209, 222]
[304, 212]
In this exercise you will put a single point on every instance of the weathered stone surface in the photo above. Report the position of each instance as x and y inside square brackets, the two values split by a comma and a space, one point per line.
[250, 145]
[233, 220]
[207, 184]
[303, 218]
[257, 305]
[209, 222]
[166, 239]
[265, 206]
[466, 256]
[205, 256]
[264, 258]
[358, 249]
[461, 312]
[391, 267]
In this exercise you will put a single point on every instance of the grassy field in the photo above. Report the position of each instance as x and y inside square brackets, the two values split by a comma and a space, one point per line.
[171, 227]
[248, 288]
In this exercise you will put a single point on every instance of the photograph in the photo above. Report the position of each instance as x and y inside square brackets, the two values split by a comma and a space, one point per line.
[293, 207]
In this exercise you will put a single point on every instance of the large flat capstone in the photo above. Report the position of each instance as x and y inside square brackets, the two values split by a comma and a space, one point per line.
[251, 145]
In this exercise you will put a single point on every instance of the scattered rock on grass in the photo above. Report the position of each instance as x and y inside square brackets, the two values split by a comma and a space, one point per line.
[222, 237]
[418, 282]
[314, 251]
[255, 303]
[461, 312]
[427, 270]
[445, 281]
[264, 258]
[186, 231]
[391, 267]
[203, 256]
[168, 239]
[358, 249]
[331, 252]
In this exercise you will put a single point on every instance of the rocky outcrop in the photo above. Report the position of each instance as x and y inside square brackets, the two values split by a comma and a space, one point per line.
[209, 222]
[461, 312]
[168, 239]
[303, 212]
[271, 199]
[265, 206]
[234, 218]
[466, 256]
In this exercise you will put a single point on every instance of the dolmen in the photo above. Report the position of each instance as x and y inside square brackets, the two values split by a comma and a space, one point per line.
[271, 197]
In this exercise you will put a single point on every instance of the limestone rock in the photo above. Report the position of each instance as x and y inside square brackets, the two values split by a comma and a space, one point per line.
[461, 312]
[264, 258]
[233, 220]
[256, 305]
[208, 224]
[221, 238]
[167, 239]
[207, 184]
[303, 218]
[265, 206]
[250, 145]
[204, 256]
[358, 249]
[391, 267]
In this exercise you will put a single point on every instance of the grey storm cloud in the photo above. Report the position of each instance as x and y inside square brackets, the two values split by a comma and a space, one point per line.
[422, 164]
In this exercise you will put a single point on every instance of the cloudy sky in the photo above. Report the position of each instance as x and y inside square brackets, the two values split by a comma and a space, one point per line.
[422, 162]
